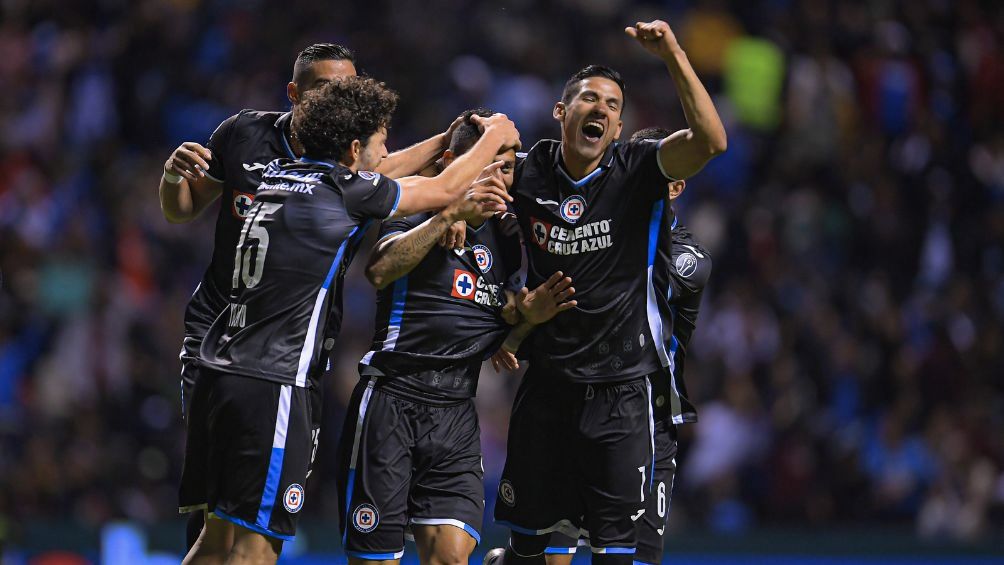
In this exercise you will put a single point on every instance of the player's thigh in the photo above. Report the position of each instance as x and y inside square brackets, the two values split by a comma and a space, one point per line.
[377, 469]
[442, 544]
[252, 547]
[616, 457]
[448, 484]
[212, 544]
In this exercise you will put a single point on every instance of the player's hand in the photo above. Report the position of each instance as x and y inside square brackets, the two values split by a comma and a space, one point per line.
[510, 314]
[501, 124]
[656, 37]
[481, 201]
[455, 236]
[448, 134]
[547, 300]
[504, 358]
[190, 160]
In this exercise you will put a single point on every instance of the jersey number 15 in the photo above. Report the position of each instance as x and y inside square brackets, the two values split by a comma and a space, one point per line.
[250, 263]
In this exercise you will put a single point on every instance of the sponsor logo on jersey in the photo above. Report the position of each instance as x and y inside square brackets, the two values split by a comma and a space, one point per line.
[507, 493]
[241, 204]
[572, 208]
[463, 285]
[292, 499]
[592, 236]
[483, 257]
[468, 286]
[365, 518]
[686, 264]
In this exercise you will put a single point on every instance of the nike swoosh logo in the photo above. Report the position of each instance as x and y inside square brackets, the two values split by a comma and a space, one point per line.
[696, 252]
[253, 167]
[546, 202]
[638, 515]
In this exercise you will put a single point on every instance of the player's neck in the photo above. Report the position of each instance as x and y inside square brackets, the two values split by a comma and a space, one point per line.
[576, 166]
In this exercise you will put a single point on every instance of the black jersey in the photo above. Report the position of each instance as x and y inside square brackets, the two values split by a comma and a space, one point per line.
[242, 146]
[602, 231]
[298, 239]
[681, 273]
[435, 325]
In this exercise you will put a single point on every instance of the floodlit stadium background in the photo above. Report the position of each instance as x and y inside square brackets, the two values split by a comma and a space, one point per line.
[848, 364]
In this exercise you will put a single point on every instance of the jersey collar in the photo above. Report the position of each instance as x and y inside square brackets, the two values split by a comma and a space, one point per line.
[282, 123]
[605, 162]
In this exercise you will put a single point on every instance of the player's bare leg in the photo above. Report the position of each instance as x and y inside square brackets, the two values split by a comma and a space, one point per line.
[252, 548]
[560, 559]
[213, 544]
[442, 545]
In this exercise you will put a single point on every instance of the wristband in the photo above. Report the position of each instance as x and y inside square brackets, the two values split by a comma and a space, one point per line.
[172, 178]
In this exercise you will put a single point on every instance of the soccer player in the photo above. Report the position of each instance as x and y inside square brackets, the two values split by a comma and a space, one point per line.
[410, 454]
[592, 209]
[231, 165]
[249, 428]
[682, 270]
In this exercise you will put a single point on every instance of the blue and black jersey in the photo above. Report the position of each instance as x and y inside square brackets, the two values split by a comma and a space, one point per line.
[681, 272]
[603, 231]
[298, 239]
[435, 325]
[242, 146]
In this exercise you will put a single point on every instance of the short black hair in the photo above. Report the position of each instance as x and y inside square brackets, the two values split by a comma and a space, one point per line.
[653, 133]
[570, 89]
[320, 52]
[332, 116]
[467, 133]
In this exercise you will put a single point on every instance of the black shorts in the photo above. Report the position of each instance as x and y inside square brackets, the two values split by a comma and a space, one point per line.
[402, 462]
[579, 456]
[248, 453]
[652, 524]
[189, 372]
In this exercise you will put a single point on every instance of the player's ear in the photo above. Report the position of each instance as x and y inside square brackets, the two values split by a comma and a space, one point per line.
[292, 93]
[354, 152]
[448, 158]
[676, 188]
[559, 111]
[620, 126]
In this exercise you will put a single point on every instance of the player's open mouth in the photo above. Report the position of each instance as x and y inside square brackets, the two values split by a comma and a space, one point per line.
[592, 130]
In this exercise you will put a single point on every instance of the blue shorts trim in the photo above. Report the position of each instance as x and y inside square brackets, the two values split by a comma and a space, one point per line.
[375, 556]
[448, 522]
[560, 550]
[252, 527]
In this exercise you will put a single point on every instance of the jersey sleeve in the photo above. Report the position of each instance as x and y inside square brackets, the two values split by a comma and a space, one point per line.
[689, 270]
[370, 195]
[401, 225]
[642, 159]
[218, 144]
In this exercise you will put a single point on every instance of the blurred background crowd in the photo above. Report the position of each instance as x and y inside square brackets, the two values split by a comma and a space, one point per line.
[849, 360]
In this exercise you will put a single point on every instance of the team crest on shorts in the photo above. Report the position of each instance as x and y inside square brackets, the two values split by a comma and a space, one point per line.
[292, 499]
[241, 204]
[463, 285]
[483, 257]
[572, 208]
[365, 518]
[686, 264]
[507, 493]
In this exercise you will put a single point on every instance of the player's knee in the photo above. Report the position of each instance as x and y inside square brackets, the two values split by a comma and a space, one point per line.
[450, 555]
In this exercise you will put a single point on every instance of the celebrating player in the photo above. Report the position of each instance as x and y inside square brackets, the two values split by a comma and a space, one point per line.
[410, 455]
[231, 165]
[592, 209]
[249, 429]
[681, 271]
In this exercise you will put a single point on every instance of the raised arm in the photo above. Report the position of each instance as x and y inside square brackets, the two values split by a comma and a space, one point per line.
[412, 160]
[185, 190]
[685, 152]
[397, 254]
[421, 194]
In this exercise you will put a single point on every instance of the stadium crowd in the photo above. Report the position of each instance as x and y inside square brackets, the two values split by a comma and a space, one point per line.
[845, 359]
